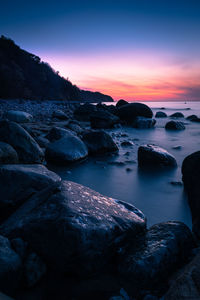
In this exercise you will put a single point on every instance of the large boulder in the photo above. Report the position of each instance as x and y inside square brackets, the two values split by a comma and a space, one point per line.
[174, 125]
[160, 114]
[77, 230]
[121, 102]
[7, 154]
[143, 123]
[129, 112]
[186, 284]
[83, 112]
[149, 264]
[103, 119]
[18, 116]
[99, 142]
[177, 115]
[26, 147]
[57, 133]
[19, 182]
[10, 267]
[154, 156]
[191, 180]
[66, 150]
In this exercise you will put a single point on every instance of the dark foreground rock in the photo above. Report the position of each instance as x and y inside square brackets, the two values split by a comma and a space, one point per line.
[174, 125]
[26, 147]
[121, 102]
[19, 182]
[143, 123]
[10, 267]
[18, 116]
[94, 224]
[60, 115]
[129, 112]
[166, 247]
[154, 156]
[7, 154]
[186, 284]
[99, 142]
[57, 133]
[66, 150]
[103, 119]
[160, 114]
[83, 112]
[191, 180]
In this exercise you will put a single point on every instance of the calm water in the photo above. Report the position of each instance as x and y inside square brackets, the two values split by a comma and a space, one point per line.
[149, 191]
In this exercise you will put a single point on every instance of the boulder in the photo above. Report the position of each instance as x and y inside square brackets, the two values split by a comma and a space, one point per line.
[148, 265]
[191, 180]
[154, 156]
[193, 118]
[76, 128]
[18, 116]
[160, 114]
[186, 284]
[7, 154]
[19, 182]
[174, 125]
[42, 141]
[177, 115]
[57, 133]
[66, 150]
[130, 111]
[10, 270]
[143, 123]
[77, 230]
[83, 112]
[99, 142]
[121, 102]
[103, 119]
[59, 114]
[26, 147]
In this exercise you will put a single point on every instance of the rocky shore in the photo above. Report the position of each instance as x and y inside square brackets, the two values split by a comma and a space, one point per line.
[62, 240]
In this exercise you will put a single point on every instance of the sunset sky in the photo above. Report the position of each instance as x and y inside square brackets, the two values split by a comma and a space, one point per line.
[135, 50]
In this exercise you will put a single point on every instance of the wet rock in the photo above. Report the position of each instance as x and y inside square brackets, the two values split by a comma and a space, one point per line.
[26, 147]
[160, 114]
[130, 111]
[83, 112]
[174, 125]
[34, 269]
[191, 180]
[66, 150]
[154, 156]
[193, 118]
[10, 270]
[7, 154]
[75, 128]
[19, 182]
[99, 142]
[121, 102]
[57, 133]
[18, 116]
[149, 263]
[42, 141]
[127, 144]
[186, 284]
[143, 123]
[103, 119]
[59, 114]
[177, 115]
[94, 224]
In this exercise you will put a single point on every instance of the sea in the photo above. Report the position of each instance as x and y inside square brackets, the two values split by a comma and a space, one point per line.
[159, 194]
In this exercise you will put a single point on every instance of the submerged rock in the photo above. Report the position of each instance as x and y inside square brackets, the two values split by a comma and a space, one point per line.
[26, 147]
[149, 263]
[19, 182]
[103, 119]
[66, 150]
[174, 125]
[99, 142]
[177, 115]
[143, 123]
[193, 118]
[154, 156]
[160, 114]
[7, 154]
[76, 230]
[18, 116]
[130, 111]
[191, 180]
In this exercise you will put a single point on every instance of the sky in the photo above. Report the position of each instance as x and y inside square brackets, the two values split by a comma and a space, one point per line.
[134, 50]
